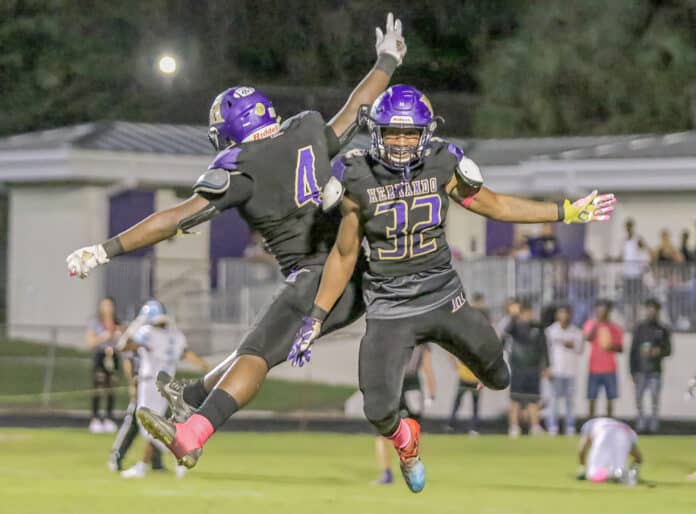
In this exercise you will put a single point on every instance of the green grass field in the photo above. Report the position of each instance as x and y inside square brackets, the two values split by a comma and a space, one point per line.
[23, 369]
[64, 472]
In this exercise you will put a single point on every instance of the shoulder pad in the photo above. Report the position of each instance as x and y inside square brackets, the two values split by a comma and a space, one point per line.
[469, 172]
[227, 159]
[302, 116]
[455, 150]
[332, 194]
[215, 181]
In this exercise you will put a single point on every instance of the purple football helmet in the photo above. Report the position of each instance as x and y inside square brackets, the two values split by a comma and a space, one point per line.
[241, 114]
[400, 107]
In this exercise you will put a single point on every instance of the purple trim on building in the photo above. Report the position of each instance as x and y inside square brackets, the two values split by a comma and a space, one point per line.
[499, 236]
[571, 239]
[128, 208]
[229, 236]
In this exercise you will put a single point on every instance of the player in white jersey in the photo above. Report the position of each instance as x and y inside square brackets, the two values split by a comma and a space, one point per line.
[160, 346]
[604, 449]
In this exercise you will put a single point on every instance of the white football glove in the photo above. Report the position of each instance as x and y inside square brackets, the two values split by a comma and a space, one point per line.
[392, 42]
[84, 260]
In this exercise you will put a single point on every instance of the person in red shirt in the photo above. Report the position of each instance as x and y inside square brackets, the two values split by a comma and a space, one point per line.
[606, 339]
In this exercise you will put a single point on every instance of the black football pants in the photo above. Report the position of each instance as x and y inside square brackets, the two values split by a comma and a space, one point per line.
[273, 332]
[387, 345]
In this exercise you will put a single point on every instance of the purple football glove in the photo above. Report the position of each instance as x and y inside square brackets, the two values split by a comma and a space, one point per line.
[301, 348]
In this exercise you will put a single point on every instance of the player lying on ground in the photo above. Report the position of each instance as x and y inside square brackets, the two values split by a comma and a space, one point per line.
[160, 346]
[605, 446]
[273, 173]
[396, 195]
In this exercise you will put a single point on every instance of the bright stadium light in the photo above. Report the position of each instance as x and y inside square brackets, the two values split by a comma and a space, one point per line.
[167, 64]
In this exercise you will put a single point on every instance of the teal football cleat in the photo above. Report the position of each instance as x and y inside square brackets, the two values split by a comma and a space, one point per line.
[413, 471]
[412, 467]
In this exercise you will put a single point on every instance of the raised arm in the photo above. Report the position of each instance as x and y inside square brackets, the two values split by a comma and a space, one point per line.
[391, 49]
[470, 193]
[337, 271]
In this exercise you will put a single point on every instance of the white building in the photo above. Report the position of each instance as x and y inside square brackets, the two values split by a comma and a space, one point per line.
[66, 187]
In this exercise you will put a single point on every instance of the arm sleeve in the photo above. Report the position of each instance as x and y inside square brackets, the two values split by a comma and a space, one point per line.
[633, 353]
[142, 336]
[544, 350]
[332, 143]
[240, 190]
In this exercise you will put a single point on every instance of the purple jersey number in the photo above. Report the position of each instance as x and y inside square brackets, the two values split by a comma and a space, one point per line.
[410, 241]
[396, 231]
[306, 189]
[418, 244]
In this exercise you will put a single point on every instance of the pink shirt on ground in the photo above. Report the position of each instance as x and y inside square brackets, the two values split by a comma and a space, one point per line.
[602, 361]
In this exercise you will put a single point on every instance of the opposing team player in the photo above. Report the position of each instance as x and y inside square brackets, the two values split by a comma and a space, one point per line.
[605, 446]
[396, 195]
[273, 173]
[160, 346]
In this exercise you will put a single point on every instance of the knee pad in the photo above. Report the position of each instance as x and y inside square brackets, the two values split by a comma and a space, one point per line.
[387, 425]
[497, 376]
[383, 419]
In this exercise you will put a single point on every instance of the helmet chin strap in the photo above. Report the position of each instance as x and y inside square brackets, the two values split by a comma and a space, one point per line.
[406, 173]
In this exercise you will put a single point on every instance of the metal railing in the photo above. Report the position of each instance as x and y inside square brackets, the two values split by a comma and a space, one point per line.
[244, 287]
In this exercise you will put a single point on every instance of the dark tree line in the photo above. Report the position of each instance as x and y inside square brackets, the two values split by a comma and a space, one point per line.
[531, 68]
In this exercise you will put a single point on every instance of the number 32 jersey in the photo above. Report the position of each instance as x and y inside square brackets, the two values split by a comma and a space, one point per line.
[276, 183]
[404, 224]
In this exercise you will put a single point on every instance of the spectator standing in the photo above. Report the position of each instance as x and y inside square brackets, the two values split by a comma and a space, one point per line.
[565, 347]
[667, 252]
[467, 383]
[102, 335]
[651, 344]
[687, 254]
[528, 360]
[478, 302]
[606, 339]
[636, 258]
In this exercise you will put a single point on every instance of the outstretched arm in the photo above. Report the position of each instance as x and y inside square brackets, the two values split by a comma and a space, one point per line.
[391, 50]
[337, 271]
[156, 227]
[153, 229]
[232, 191]
[517, 209]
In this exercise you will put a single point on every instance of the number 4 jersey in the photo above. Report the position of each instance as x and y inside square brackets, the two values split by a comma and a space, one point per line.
[276, 182]
[404, 224]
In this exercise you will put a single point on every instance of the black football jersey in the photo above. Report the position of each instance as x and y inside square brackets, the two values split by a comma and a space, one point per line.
[403, 218]
[287, 171]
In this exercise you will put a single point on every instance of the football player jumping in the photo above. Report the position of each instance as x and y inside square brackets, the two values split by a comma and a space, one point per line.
[273, 173]
[396, 195]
